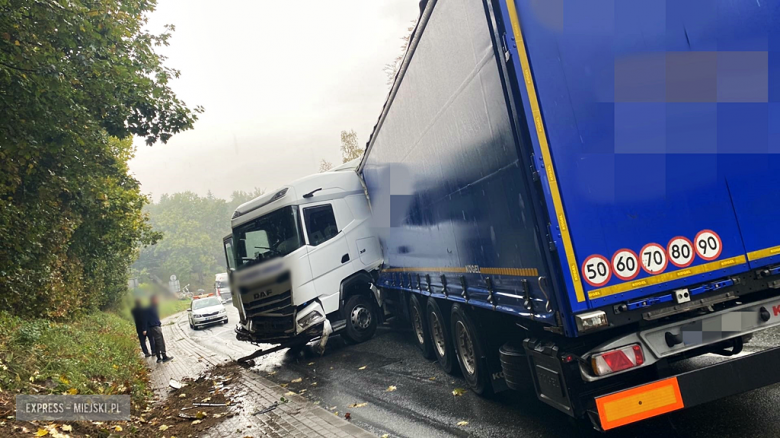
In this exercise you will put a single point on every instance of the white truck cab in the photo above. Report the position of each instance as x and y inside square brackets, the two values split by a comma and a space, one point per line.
[301, 260]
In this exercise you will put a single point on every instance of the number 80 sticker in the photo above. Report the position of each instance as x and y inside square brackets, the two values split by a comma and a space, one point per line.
[596, 271]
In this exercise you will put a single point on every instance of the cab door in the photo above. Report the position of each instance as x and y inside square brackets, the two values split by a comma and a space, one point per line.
[230, 259]
[328, 249]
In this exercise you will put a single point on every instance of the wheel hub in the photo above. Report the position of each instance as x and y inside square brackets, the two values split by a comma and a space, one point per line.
[465, 348]
[360, 317]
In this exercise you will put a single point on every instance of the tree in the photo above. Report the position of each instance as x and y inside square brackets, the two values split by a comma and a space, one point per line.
[193, 227]
[391, 69]
[75, 78]
[325, 165]
[350, 149]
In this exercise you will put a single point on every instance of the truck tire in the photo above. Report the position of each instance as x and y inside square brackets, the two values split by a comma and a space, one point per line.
[420, 327]
[470, 351]
[361, 319]
[440, 335]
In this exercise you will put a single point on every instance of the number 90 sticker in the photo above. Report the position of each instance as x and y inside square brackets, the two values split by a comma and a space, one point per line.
[680, 251]
[654, 259]
[596, 271]
[625, 264]
[708, 245]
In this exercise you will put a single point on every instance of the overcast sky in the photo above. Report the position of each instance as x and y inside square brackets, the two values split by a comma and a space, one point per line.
[279, 81]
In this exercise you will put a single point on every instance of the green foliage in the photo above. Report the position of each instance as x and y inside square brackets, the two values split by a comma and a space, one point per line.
[75, 77]
[94, 354]
[170, 307]
[193, 227]
[350, 149]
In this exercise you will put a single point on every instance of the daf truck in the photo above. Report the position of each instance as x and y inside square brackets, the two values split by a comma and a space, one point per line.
[564, 197]
[301, 260]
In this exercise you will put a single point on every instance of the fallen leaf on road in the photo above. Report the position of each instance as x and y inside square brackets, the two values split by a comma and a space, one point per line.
[317, 402]
[283, 385]
[196, 422]
[289, 393]
[362, 368]
[182, 395]
[66, 428]
[314, 384]
[298, 380]
[217, 416]
[385, 436]
[302, 391]
[42, 432]
[463, 423]
[201, 415]
[163, 427]
[390, 388]
[272, 373]
[336, 413]
[347, 416]
[457, 392]
[117, 428]
[431, 378]
[311, 363]
[357, 405]
[332, 408]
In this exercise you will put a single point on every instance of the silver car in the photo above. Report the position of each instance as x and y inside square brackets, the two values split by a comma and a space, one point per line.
[206, 310]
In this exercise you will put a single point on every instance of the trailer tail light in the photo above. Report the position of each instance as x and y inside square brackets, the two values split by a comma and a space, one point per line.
[621, 359]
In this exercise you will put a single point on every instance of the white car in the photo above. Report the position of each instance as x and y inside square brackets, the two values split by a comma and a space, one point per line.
[205, 310]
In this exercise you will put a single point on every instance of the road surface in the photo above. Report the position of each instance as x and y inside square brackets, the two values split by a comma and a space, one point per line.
[422, 404]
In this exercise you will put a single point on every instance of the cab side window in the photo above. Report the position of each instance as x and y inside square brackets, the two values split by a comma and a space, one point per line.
[320, 224]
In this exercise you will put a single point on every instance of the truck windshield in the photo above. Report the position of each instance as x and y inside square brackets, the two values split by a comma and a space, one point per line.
[267, 237]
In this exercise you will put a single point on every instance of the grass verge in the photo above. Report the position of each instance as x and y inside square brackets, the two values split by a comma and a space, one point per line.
[169, 307]
[94, 354]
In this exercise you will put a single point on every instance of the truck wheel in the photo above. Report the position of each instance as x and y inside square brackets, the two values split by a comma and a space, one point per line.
[422, 333]
[361, 319]
[470, 351]
[440, 335]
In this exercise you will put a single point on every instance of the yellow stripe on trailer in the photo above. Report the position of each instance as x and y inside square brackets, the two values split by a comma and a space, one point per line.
[669, 276]
[536, 111]
[763, 253]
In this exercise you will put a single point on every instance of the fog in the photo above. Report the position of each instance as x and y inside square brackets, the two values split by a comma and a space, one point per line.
[278, 80]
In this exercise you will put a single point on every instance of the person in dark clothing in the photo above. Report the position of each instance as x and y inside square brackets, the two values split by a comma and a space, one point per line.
[154, 330]
[139, 317]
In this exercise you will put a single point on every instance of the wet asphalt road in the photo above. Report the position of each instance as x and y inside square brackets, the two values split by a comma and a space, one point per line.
[423, 405]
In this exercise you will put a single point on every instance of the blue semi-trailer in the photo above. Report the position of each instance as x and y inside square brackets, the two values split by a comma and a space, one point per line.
[572, 195]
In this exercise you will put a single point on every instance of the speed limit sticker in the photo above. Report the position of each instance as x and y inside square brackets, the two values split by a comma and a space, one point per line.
[680, 251]
[625, 264]
[708, 245]
[653, 257]
[596, 271]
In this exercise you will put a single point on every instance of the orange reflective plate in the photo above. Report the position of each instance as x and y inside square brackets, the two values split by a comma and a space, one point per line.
[638, 403]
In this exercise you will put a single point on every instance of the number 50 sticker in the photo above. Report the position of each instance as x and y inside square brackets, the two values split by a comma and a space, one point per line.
[596, 271]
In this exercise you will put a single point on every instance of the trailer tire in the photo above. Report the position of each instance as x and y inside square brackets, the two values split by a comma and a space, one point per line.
[470, 351]
[440, 335]
[420, 327]
[361, 319]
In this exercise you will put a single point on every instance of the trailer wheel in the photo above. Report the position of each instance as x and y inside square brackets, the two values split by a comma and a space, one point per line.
[422, 333]
[470, 351]
[361, 319]
[440, 335]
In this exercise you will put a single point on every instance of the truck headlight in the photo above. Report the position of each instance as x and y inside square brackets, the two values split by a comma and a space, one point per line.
[310, 319]
[591, 320]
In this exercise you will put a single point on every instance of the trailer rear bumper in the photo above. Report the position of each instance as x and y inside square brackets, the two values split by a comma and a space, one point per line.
[688, 389]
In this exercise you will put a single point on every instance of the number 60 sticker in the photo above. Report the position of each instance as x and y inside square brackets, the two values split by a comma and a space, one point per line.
[596, 271]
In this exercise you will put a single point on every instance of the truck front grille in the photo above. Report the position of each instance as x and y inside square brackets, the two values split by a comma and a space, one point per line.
[271, 298]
